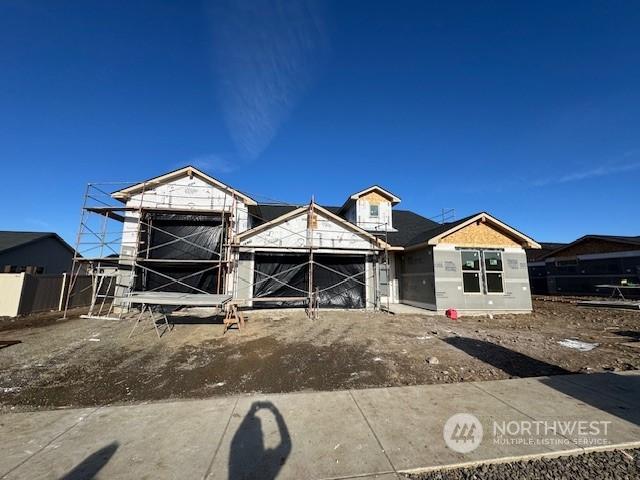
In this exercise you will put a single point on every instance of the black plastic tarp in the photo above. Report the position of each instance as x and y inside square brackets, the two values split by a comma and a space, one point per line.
[179, 237]
[339, 280]
[281, 275]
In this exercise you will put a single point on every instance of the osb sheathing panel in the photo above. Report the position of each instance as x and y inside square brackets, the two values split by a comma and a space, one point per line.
[374, 198]
[479, 235]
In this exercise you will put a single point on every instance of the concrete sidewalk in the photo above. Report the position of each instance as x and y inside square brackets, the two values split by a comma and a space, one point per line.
[373, 433]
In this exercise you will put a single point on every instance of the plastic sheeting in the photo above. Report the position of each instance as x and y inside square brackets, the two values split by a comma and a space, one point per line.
[339, 280]
[200, 240]
[283, 275]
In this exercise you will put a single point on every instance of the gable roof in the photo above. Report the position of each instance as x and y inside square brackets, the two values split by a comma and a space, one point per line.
[408, 225]
[354, 196]
[189, 170]
[629, 240]
[438, 230]
[297, 211]
[411, 228]
[432, 236]
[10, 240]
[385, 193]
[265, 212]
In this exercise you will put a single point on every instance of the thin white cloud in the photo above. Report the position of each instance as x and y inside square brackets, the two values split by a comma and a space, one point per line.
[212, 163]
[267, 54]
[576, 176]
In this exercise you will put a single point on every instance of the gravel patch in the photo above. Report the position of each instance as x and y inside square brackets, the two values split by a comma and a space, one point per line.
[611, 465]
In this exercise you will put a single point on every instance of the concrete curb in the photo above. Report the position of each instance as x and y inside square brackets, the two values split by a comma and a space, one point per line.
[519, 458]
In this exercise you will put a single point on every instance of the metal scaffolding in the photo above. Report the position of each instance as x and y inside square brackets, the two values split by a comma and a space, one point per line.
[117, 242]
[117, 264]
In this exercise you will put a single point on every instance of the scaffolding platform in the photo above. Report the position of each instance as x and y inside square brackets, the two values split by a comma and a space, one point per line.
[178, 299]
[622, 304]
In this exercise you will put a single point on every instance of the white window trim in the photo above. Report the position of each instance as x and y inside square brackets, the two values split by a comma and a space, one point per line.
[484, 289]
[484, 269]
[479, 271]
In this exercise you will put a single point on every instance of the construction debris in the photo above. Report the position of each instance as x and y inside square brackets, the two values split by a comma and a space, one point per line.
[578, 345]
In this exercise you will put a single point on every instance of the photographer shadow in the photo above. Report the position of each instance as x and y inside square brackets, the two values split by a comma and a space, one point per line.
[248, 457]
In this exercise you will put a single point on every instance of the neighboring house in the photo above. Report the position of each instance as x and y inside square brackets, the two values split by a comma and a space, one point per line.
[535, 254]
[34, 253]
[578, 267]
[186, 231]
[537, 269]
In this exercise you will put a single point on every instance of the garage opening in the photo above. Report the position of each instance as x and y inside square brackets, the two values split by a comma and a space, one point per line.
[183, 253]
[339, 280]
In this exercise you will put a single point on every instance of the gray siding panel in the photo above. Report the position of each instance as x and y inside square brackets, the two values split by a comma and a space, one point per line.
[450, 294]
[417, 285]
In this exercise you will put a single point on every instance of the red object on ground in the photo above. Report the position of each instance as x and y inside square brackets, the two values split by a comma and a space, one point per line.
[452, 313]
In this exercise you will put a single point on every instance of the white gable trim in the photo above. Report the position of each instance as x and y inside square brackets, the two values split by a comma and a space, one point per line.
[303, 210]
[386, 193]
[126, 193]
[484, 217]
[271, 223]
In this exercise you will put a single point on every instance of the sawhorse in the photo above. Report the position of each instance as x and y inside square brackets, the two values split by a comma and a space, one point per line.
[233, 316]
[149, 309]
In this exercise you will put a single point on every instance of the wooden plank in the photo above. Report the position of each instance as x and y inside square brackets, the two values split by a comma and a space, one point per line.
[610, 304]
[277, 299]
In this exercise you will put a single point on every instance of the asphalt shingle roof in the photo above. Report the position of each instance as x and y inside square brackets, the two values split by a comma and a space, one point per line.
[436, 230]
[618, 238]
[9, 240]
[631, 240]
[265, 212]
[410, 226]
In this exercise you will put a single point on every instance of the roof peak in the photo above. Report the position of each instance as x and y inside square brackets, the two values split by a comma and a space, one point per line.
[188, 170]
[392, 198]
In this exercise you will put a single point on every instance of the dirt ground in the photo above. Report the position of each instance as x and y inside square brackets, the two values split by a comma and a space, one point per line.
[84, 362]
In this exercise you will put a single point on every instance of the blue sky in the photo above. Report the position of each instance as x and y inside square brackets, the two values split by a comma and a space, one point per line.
[528, 111]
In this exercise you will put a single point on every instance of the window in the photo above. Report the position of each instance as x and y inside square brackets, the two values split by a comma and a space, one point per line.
[374, 210]
[384, 280]
[493, 271]
[471, 271]
[482, 264]
[572, 262]
[567, 266]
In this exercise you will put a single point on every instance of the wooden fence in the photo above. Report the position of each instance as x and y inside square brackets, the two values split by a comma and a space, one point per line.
[22, 294]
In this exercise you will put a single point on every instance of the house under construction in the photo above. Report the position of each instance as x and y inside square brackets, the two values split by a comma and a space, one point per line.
[186, 232]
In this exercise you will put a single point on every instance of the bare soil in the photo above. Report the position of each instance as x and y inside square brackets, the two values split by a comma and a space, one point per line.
[83, 362]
